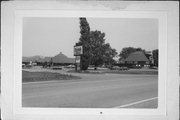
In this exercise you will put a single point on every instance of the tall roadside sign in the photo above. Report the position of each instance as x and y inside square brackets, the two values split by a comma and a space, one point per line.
[78, 51]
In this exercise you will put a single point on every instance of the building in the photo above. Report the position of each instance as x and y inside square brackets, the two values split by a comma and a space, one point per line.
[62, 59]
[59, 59]
[137, 58]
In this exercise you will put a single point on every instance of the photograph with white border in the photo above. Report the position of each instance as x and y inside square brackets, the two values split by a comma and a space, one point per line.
[122, 63]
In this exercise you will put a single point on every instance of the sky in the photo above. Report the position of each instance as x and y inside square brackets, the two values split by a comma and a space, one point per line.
[50, 36]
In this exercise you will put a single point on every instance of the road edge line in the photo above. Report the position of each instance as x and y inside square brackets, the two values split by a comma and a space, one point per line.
[134, 103]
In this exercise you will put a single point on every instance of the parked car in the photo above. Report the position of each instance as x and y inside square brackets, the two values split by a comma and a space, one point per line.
[123, 68]
[70, 66]
[56, 68]
[115, 68]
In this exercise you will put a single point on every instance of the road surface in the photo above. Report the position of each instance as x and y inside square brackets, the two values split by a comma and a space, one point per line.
[94, 91]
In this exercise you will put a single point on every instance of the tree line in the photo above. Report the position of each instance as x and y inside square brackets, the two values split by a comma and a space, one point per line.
[97, 52]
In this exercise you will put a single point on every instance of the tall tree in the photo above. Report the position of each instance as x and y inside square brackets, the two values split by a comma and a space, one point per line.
[101, 52]
[85, 42]
[97, 42]
[155, 56]
[95, 51]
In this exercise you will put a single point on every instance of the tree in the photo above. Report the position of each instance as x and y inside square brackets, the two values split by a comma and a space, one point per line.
[140, 49]
[125, 52]
[97, 42]
[109, 54]
[155, 56]
[85, 42]
[95, 51]
[101, 53]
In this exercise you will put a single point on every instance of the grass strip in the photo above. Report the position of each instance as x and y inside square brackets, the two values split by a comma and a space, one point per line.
[45, 76]
[115, 72]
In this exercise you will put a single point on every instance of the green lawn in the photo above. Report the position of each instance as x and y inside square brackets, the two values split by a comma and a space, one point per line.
[45, 76]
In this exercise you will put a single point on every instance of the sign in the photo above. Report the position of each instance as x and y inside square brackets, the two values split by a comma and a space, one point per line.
[78, 59]
[78, 50]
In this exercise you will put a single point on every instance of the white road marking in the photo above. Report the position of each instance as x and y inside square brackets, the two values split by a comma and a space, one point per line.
[138, 102]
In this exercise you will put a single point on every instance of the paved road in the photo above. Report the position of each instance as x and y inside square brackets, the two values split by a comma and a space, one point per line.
[94, 91]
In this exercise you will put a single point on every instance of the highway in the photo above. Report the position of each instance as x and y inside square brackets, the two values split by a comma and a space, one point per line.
[94, 91]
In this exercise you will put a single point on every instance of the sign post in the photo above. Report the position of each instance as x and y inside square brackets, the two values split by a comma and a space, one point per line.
[78, 51]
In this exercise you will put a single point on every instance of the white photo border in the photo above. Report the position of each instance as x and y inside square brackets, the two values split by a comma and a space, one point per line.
[91, 113]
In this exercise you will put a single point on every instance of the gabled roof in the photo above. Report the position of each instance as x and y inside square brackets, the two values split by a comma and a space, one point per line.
[61, 58]
[121, 60]
[137, 56]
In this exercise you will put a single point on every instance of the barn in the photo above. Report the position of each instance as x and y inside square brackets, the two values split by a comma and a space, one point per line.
[62, 59]
[137, 58]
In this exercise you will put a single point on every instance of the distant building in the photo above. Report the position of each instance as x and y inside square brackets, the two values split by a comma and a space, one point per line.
[137, 58]
[59, 59]
[149, 55]
[62, 59]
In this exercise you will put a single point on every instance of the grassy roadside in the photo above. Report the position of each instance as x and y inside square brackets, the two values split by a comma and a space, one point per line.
[134, 72]
[45, 76]
[150, 72]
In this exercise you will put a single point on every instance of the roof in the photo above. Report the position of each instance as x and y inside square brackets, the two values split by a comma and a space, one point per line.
[137, 56]
[121, 60]
[61, 58]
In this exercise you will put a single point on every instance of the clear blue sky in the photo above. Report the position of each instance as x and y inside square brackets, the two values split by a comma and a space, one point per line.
[50, 36]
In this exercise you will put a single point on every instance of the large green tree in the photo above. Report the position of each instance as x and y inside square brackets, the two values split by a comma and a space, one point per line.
[95, 51]
[155, 56]
[97, 42]
[85, 42]
[101, 52]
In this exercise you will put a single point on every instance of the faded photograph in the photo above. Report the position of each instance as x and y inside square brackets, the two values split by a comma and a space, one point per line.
[84, 62]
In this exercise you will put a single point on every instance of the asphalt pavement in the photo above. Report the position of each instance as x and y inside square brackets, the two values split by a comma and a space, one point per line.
[94, 91]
